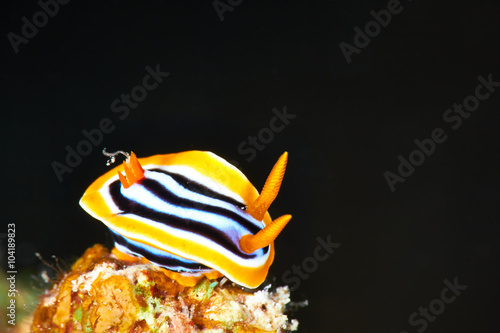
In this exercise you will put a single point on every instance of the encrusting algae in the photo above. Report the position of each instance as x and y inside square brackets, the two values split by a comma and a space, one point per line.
[102, 293]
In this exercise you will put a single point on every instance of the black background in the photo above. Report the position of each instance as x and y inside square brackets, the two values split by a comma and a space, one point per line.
[352, 121]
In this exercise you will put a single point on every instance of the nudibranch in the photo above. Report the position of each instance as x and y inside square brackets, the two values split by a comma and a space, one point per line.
[192, 213]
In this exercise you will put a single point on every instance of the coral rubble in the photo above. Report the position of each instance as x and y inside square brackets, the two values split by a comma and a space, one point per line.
[104, 294]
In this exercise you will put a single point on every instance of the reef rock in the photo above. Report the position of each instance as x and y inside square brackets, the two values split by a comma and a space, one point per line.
[104, 294]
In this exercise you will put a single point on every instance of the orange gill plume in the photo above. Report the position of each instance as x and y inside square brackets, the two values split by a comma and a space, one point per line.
[133, 169]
